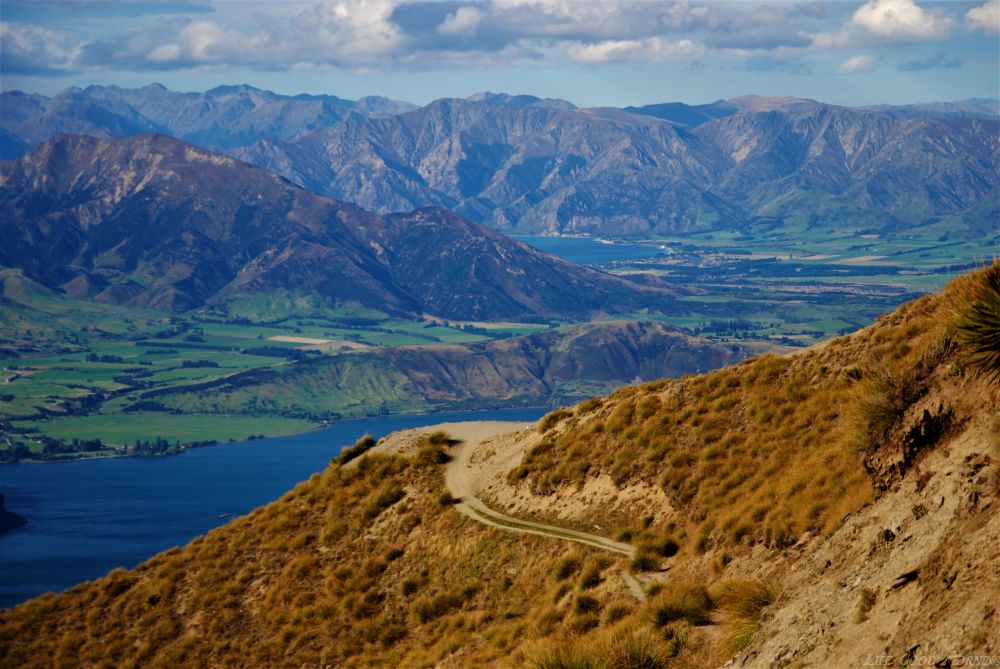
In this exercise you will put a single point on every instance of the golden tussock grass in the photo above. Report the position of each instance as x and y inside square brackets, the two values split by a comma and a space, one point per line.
[762, 452]
[359, 566]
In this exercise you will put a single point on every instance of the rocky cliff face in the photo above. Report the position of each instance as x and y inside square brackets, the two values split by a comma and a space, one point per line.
[155, 222]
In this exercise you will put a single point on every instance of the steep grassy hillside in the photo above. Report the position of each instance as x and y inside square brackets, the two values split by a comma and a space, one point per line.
[810, 510]
[772, 448]
[363, 566]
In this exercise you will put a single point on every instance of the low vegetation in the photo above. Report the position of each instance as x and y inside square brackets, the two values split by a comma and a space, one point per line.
[977, 321]
[356, 450]
[759, 453]
[369, 565]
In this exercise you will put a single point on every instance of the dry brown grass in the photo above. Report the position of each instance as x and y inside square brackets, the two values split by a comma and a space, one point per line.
[358, 566]
[758, 453]
[369, 565]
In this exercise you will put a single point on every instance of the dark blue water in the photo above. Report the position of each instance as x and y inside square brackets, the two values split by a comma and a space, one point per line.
[586, 251]
[90, 516]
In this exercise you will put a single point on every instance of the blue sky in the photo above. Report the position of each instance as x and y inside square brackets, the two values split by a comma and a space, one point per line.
[593, 53]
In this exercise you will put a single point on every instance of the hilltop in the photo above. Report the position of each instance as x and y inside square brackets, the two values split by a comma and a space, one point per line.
[154, 222]
[804, 510]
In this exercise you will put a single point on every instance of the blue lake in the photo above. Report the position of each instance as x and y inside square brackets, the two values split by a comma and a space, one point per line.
[89, 516]
[587, 251]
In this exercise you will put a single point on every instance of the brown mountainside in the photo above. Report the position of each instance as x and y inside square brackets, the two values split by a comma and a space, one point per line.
[154, 222]
[807, 510]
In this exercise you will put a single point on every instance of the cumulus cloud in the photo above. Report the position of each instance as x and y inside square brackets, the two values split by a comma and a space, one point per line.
[372, 34]
[884, 22]
[985, 17]
[464, 21]
[652, 49]
[900, 19]
[34, 50]
[857, 65]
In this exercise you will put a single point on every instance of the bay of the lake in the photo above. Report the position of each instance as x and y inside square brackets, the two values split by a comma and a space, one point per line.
[589, 251]
[87, 517]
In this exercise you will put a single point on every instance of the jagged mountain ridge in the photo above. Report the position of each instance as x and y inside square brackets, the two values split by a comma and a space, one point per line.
[605, 171]
[223, 117]
[521, 163]
[155, 222]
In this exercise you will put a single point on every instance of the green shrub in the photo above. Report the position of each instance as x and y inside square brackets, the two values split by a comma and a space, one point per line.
[978, 322]
[880, 403]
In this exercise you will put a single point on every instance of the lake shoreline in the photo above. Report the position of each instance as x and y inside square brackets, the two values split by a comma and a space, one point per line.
[87, 518]
[184, 448]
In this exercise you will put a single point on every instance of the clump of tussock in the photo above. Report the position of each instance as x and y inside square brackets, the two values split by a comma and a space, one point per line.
[433, 447]
[356, 450]
[626, 646]
[553, 418]
[742, 605]
[977, 322]
[689, 602]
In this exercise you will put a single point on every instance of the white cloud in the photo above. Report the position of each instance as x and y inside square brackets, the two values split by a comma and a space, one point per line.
[419, 34]
[900, 19]
[464, 21]
[985, 17]
[857, 65]
[879, 23]
[164, 53]
[652, 49]
[360, 30]
[30, 49]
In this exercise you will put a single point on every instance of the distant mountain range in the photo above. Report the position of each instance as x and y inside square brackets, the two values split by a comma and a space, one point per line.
[531, 165]
[152, 221]
[223, 117]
